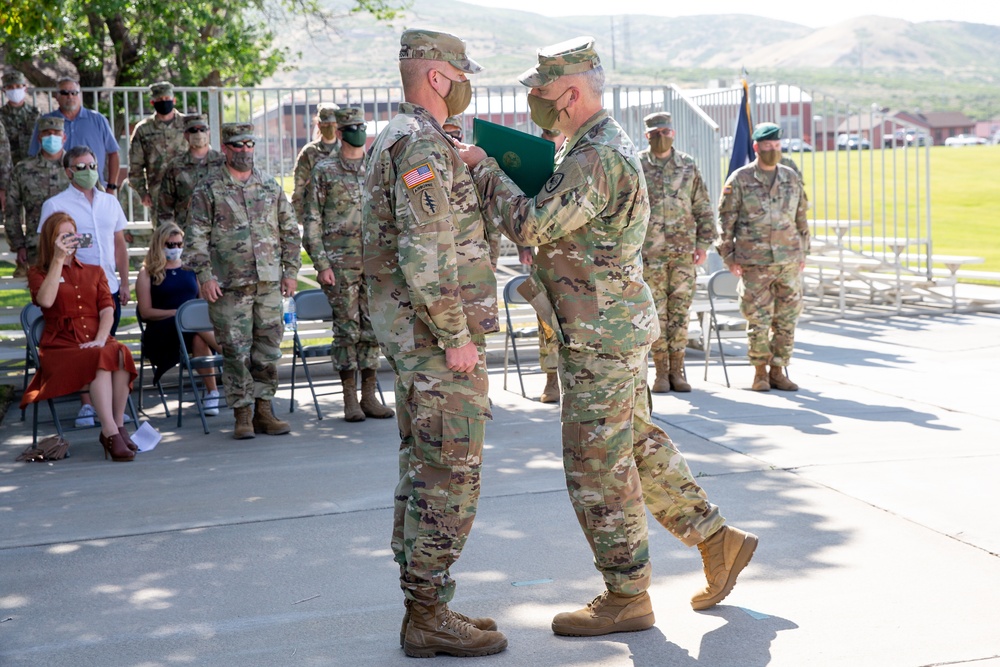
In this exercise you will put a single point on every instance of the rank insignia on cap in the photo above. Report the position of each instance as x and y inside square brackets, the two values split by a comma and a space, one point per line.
[421, 174]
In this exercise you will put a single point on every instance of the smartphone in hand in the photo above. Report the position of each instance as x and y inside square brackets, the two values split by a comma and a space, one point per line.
[86, 240]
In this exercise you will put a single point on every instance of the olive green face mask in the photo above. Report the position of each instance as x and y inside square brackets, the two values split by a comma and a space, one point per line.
[769, 158]
[544, 113]
[458, 97]
[354, 138]
[661, 143]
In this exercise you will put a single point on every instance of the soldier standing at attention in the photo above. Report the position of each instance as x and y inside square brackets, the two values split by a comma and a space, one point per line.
[765, 240]
[17, 116]
[185, 171]
[326, 146]
[681, 230]
[332, 237]
[35, 179]
[433, 298]
[589, 222]
[243, 244]
[6, 166]
[156, 140]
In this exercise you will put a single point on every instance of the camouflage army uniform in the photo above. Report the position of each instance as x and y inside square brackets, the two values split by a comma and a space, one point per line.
[35, 179]
[589, 222]
[244, 235]
[181, 176]
[19, 123]
[153, 145]
[6, 165]
[332, 237]
[680, 220]
[790, 163]
[762, 216]
[308, 158]
[430, 286]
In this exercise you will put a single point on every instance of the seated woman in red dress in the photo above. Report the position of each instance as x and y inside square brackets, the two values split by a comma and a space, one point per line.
[75, 349]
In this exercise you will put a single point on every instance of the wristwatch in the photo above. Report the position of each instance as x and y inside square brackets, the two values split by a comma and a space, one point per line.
[110, 186]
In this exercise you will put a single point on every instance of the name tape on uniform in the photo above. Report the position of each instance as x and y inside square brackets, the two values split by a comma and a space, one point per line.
[418, 175]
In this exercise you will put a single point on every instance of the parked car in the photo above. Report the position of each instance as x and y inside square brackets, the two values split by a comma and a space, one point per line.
[795, 146]
[917, 138]
[964, 140]
[852, 142]
[907, 137]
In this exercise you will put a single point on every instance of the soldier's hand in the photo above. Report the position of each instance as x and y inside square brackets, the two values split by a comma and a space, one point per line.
[288, 286]
[471, 155]
[525, 257]
[147, 201]
[462, 359]
[736, 270]
[325, 277]
[699, 256]
[22, 256]
[210, 291]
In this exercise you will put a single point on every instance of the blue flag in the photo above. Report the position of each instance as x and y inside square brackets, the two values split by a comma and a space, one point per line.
[743, 153]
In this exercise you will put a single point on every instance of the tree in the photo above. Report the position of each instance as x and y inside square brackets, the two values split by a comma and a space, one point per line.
[134, 42]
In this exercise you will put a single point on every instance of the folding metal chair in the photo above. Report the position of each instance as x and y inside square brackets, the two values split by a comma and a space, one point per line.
[29, 314]
[723, 300]
[192, 317]
[143, 361]
[512, 296]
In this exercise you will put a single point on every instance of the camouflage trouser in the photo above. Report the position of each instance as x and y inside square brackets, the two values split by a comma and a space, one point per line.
[31, 244]
[248, 327]
[354, 344]
[615, 458]
[672, 281]
[442, 423]
[548, 348]
[771, 302]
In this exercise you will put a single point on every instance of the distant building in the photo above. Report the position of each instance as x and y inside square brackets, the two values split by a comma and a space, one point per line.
[938, 124]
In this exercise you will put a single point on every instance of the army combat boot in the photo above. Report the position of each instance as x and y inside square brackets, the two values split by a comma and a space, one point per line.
[371, 406]
[244, 426]
[352, 409]
[676, 375]
[264, 420]
[433, 629]
[724, 555]
[551, 392]
[608, 612]
[780, 381]
[661, 384]
[760, 382]
[484, 623]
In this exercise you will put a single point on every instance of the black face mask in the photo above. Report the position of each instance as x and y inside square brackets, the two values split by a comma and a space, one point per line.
[163, 107]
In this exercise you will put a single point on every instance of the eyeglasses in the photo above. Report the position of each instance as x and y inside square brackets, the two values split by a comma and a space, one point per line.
[354, 128]
[247, 143]
[69, 93]
[197, 130]
[174, 246]
[81, 167]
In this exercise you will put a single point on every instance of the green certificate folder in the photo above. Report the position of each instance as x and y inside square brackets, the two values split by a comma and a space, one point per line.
[528, 160]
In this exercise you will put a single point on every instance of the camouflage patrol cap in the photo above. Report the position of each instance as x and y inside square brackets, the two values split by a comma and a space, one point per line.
[570, 57]
[766, 132]
[50, 123]
[660, 119]
[433, 45]
[349, 116]
[194, 121]
[452, 120]
[237, 132]
[13, 78]
[327, 113]
[161, 89]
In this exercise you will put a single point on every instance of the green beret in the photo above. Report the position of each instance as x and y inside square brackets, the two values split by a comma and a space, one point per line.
[570, 57]
[13, 78]
[237, 132]
[349, 116]
[432, 45]
[766, 132]
[161, 89]
[327, 112]
[660, 119]
[194, 121]
[50, 123]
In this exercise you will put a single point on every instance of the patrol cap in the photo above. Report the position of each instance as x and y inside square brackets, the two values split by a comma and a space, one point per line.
[766, 132]
[570, 57]
[13, 78]
[349, 116]
[50, 123]
[432, 45]
[162, 89]
[327, 113]
[194, 121]
[658, 120]
[237, 132]
[452, 120]
[551, 134]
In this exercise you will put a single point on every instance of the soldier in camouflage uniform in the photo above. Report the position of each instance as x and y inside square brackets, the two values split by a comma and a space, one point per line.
[589, 221]
[156, 140]
[184, 172]
[34, 180]
[332, 237]
[681, 230]
[326, 146]
[17, 116]
[765, 240]
[244, 244]
[452, 126]
[433, 298]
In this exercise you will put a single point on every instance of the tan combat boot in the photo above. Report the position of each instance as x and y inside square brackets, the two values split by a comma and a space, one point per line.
[661, 384]
[484, 623]
[264, 420]
[433, 629]
[676, 375]
[608, 612]
[244, 425]
[352, 409]
[551, 392]
[780, 381]
[760, 382]
[371, 406]
[724, 555]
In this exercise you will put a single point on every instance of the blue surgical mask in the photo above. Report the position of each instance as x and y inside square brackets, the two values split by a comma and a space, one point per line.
[52, 144]
[173, 254]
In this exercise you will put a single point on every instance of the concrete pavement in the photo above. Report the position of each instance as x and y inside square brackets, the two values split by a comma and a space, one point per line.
[873, 490]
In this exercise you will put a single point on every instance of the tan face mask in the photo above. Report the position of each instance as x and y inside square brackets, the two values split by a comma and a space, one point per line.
[329, 134]
[769, 158]
[459, 96]
[661, 143]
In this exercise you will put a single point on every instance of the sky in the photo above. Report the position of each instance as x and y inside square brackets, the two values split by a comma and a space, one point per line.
[803, 12]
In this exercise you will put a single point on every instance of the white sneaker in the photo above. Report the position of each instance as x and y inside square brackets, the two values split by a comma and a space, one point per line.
[85, 417]
[210, 401]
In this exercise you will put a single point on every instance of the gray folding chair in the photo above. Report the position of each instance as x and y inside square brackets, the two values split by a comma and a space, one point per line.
[724, 301]
[29, 314]
[192, 317]
[512, 296]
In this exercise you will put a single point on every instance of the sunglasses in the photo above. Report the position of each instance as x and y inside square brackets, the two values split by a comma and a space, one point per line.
[69, 93]
[354, 128]
[80, 167]
[174, 246]
[197, 130]
[248, 143]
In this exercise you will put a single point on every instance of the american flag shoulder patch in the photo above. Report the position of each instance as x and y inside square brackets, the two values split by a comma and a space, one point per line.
[418, 175]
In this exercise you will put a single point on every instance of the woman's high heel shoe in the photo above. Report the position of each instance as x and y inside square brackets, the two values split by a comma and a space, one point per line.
[117, 448]
[128, 441]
